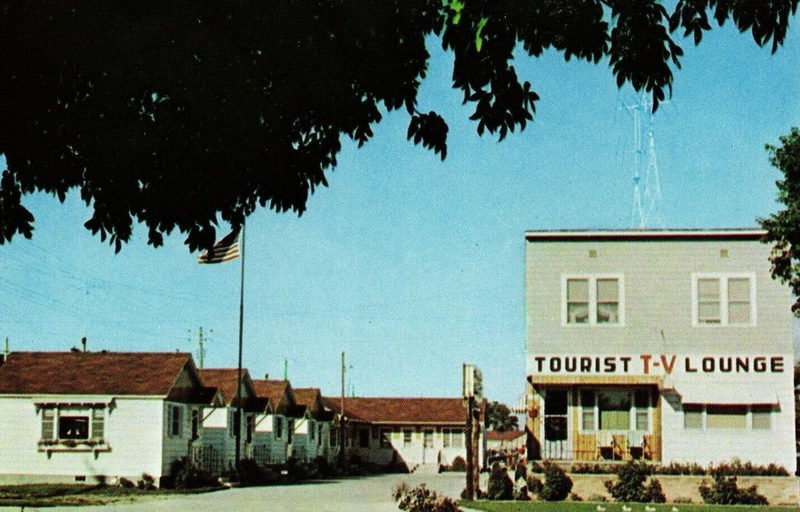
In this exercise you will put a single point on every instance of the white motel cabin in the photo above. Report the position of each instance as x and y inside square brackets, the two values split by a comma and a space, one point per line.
[274, 424]
[312, 426]
[216, 451]
[659, 345]
[86, 416]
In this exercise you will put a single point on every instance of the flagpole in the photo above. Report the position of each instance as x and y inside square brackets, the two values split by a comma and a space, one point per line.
[239, 367]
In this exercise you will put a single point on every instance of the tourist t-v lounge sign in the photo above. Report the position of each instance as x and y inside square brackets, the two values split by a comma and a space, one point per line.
[657, 364]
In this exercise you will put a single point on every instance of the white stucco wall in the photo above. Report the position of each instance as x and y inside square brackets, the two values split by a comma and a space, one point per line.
[133, 431]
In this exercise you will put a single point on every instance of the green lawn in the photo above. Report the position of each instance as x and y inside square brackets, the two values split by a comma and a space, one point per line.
[52, 495]
[571, 506]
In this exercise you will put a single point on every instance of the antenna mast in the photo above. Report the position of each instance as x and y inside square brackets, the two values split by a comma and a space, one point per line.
[646, 211]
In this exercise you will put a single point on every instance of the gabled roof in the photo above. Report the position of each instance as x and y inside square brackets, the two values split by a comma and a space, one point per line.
[310, 397]
[92, 373]
[508, 435]
[273, 391]
[226, 380]
[401, 410]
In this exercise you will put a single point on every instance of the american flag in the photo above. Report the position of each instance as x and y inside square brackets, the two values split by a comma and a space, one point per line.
[225, 250]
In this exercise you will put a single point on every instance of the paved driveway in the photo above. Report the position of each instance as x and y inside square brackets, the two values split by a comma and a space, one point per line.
[365, 494]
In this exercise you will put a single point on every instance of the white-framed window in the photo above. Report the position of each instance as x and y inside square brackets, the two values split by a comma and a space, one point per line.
[175, 420]
[66, 422]
[727, 417]
[407, 437]
[596, 299]
[615, 409]
[724, 299]
[453, 437]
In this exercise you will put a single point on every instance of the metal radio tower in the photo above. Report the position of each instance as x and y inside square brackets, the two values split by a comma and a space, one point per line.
[646, 183]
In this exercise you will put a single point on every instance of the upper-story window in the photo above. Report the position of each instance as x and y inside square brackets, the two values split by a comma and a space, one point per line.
[593, 300]
[723, 299]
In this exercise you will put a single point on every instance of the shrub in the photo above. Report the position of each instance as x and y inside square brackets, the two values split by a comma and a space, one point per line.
[724, 491]
[522, 494]
[185, 475]
[458, 464]
[574, 497]
[630, 487]
[597, 497]
[124, 482]
[500, 486]
[534, 484]
[479, 494]
[249, 472]
[146, 482]
[557, 485]
[422, 499]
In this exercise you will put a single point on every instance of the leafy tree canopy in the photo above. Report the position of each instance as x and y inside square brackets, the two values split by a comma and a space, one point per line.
[499, 417]
[783, 228]
[179, 114]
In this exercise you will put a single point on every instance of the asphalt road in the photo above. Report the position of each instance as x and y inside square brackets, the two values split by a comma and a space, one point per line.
[365, 494]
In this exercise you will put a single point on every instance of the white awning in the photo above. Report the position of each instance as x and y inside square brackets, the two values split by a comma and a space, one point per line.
[725, 393]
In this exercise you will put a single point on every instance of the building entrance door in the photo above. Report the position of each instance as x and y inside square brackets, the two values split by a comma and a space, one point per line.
[556, 431]
[427, 446]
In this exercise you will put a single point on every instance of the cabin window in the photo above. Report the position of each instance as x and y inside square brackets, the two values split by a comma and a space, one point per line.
[592, 300]
[723, 299]
[312, 430]
[453, 437]
[195, 424]
[175, 419]
[363, 438]
[692, 416]
[406, 437]
[277, 427]
[67, 422]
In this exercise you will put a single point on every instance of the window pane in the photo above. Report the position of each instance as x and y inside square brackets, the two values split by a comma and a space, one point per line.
[607, 313]
[708, 289]
[458, 438]
[587, 411]
[739, 312]
[607, 290]
[98, 427]
[641, 420]
[708, 312]
[762, 417]
[577, 290]
[739, 290]
[692, 416]
[726, 416]
[577, 313]
[73, 427]
[555, 402]
[615, 409]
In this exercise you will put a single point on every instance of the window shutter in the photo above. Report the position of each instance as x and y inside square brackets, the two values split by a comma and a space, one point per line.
[98, 424]
[48, 424]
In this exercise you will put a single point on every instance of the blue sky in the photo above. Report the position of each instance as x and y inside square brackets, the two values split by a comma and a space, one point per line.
[410, 265]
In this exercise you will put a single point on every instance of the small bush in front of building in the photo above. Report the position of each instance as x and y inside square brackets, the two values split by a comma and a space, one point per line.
[249, 473]
[557, 485]
[500, 486]
[126, 483]
[479, 494]
[522, 494]
[183, 474]
[630, 486]
[574, 497]
[534, 484]
[146, 482]
[597, 497]
[682, 499]
[422, 499]
[725, 491]
[458, 464]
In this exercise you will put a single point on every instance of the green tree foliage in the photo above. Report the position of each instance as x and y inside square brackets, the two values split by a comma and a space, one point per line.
[630, 485]
[783, 228]
[179, 114]
[557, 484]
[499, 417]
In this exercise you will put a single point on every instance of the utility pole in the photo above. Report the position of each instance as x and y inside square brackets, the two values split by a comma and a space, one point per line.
[285, 369]
[201, 341]
[5, 352]
[341, 417]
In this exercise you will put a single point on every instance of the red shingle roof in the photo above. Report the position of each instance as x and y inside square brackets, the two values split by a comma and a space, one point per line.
[508, 435]
[401, 410]
[91, 373]
[272, 390]
[307, 397]
[224, 379]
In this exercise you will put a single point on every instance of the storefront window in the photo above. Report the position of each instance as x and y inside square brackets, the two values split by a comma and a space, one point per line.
[726, 416]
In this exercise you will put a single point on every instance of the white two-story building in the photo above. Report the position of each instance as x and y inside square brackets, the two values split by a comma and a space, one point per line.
[660, 345]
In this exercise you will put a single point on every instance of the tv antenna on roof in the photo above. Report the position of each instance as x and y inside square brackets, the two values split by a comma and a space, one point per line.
[646, 212]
